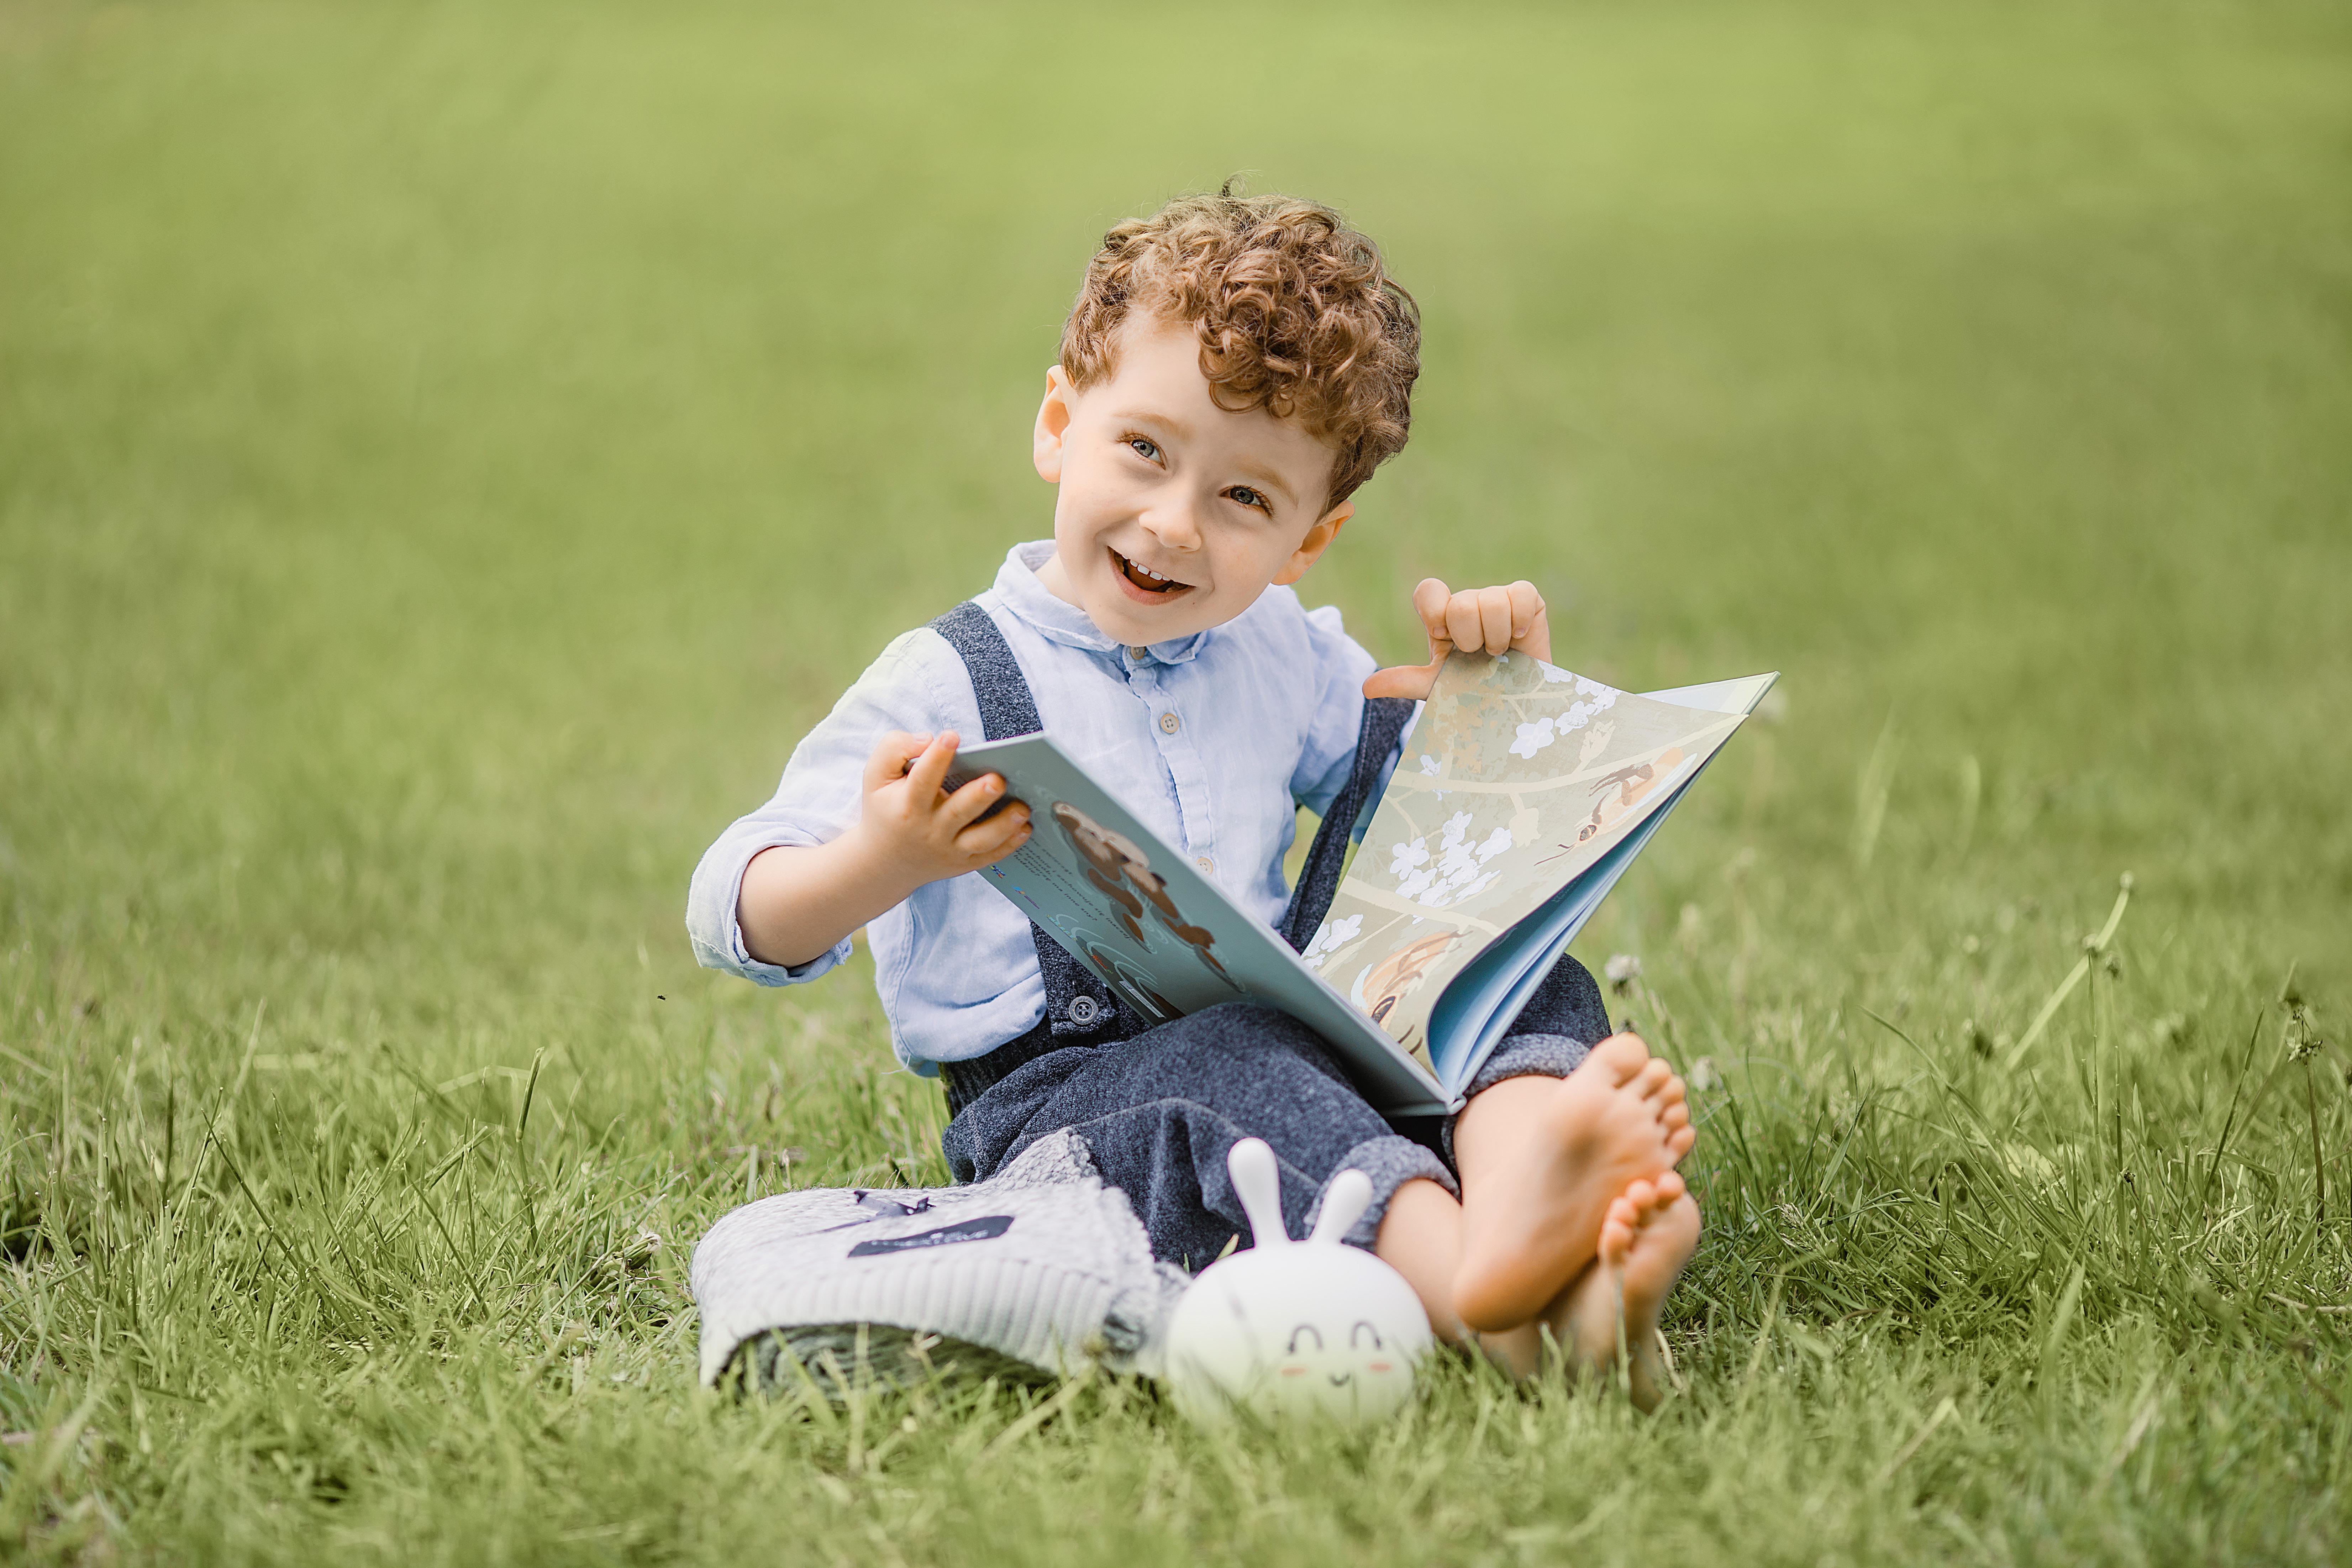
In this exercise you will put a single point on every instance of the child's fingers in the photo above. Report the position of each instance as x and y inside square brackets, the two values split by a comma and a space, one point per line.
[984, 843]
[962, 809]
[1412, 680]
[1494, 618]
[930, 769]
[887, 764]
[1530, 620]
[1430, 599]
[1464, 624]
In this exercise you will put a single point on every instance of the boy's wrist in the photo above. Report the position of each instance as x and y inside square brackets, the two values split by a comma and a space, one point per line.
[881, 871]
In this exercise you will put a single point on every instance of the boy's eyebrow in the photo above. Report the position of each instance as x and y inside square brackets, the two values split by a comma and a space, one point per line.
[1159, 417]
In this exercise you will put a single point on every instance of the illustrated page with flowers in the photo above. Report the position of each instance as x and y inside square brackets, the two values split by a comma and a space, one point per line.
[1523, 794]
[1517, 780]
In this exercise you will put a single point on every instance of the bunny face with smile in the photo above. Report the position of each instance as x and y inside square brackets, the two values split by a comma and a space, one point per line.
[1315, 1329]
[1335, 1352]
[1175, 512]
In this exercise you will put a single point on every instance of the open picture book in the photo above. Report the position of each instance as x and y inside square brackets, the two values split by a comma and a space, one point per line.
[1522, 794]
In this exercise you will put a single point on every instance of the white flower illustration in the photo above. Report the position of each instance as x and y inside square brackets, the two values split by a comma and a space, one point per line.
[1335, 935]
[1403, 858]
[1497, 842]
[1430, 764]
[1553, 674]
[1533, 738]
[1415, 885]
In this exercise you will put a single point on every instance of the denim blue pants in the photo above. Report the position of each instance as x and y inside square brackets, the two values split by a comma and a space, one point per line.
[1159, 1110]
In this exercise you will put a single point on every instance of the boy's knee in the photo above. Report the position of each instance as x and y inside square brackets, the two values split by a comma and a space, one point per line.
[1248, 1027]
[1219, 1040]
[1568, 1001]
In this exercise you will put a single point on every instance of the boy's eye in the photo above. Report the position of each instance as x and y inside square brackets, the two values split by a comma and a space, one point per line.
[1144, 448]
[1250, 498]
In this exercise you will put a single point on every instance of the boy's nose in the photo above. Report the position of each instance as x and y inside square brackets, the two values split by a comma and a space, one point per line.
[1175, 524]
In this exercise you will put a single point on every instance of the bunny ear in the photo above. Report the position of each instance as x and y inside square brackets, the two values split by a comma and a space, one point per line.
[1258, 1182]
[1344, 1202]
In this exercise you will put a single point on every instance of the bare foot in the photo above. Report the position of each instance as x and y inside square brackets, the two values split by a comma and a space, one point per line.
[1542, 1159]
[1648, 1235]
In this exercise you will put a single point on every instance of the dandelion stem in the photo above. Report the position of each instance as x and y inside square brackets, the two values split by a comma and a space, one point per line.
[2318, 1163]
[2092, 949]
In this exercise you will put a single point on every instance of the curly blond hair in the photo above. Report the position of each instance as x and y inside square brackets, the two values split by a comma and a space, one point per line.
[1295, 311]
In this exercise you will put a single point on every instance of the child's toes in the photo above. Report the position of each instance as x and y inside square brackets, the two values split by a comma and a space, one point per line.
[1652, 1081]
[1620, 1056]
[1618, 1229]
[1674, 1116]
[1669, 1188]
[1680, 1142]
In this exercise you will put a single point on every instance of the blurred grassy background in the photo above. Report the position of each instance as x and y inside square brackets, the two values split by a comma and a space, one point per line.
[448, 452]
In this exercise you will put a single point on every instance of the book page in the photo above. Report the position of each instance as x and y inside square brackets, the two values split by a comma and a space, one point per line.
[1166, 939]
[1517, 778]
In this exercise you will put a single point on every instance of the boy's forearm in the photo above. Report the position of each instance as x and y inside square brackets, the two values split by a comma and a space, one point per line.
[798, 901]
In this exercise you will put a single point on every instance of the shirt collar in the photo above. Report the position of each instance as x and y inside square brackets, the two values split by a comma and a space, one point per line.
[1056, 621]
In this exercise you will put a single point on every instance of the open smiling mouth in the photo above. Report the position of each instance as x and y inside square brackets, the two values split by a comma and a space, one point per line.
[1144, 580]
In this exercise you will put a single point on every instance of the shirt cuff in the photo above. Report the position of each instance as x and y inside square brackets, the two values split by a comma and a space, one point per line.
[718, 935]
[741, 962]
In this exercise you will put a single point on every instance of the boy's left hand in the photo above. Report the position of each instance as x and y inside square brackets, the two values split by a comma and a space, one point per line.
[1475, 620]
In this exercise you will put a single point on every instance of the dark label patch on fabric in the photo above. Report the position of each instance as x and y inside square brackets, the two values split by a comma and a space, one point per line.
[986, 1228]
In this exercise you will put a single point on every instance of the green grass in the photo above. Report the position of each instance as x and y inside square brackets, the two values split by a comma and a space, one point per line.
[448, 452]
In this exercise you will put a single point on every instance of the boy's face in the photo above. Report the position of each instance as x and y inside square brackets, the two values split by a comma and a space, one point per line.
[1174, 514]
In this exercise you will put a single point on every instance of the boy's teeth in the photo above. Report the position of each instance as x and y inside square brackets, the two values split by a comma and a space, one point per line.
[1137, 569]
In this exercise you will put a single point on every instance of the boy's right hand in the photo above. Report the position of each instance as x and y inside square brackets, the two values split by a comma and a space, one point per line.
[799, 901]
[919, 831]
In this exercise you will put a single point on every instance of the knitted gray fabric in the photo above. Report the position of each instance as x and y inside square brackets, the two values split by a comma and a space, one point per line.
[1042, 1263]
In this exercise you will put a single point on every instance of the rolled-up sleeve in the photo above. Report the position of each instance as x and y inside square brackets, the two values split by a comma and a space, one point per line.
[815, 803]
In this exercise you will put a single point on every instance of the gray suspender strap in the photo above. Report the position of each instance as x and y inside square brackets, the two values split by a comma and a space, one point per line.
[1318, 879]
[1006, 708]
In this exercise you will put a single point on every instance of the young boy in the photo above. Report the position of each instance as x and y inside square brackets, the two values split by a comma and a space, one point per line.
[1234, 368]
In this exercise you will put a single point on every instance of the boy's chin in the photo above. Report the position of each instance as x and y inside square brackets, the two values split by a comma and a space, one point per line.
[1119, 613]
[1143, 625]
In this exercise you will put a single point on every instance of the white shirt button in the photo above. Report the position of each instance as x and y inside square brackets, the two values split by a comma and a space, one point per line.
[1169, 724]
[1203, 862]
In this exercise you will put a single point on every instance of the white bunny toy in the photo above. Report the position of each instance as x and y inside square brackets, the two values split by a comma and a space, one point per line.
[1294, 1329]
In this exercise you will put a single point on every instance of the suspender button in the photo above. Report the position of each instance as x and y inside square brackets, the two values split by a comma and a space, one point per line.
[1084, 1010]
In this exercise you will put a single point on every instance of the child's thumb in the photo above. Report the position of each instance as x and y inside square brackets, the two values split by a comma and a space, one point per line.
[1412, 680]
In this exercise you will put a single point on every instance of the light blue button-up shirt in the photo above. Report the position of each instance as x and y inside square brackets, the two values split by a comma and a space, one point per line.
[1211, 740]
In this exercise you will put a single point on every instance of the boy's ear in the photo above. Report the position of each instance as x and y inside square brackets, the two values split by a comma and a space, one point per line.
[1318, 539]
[1054, 415]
